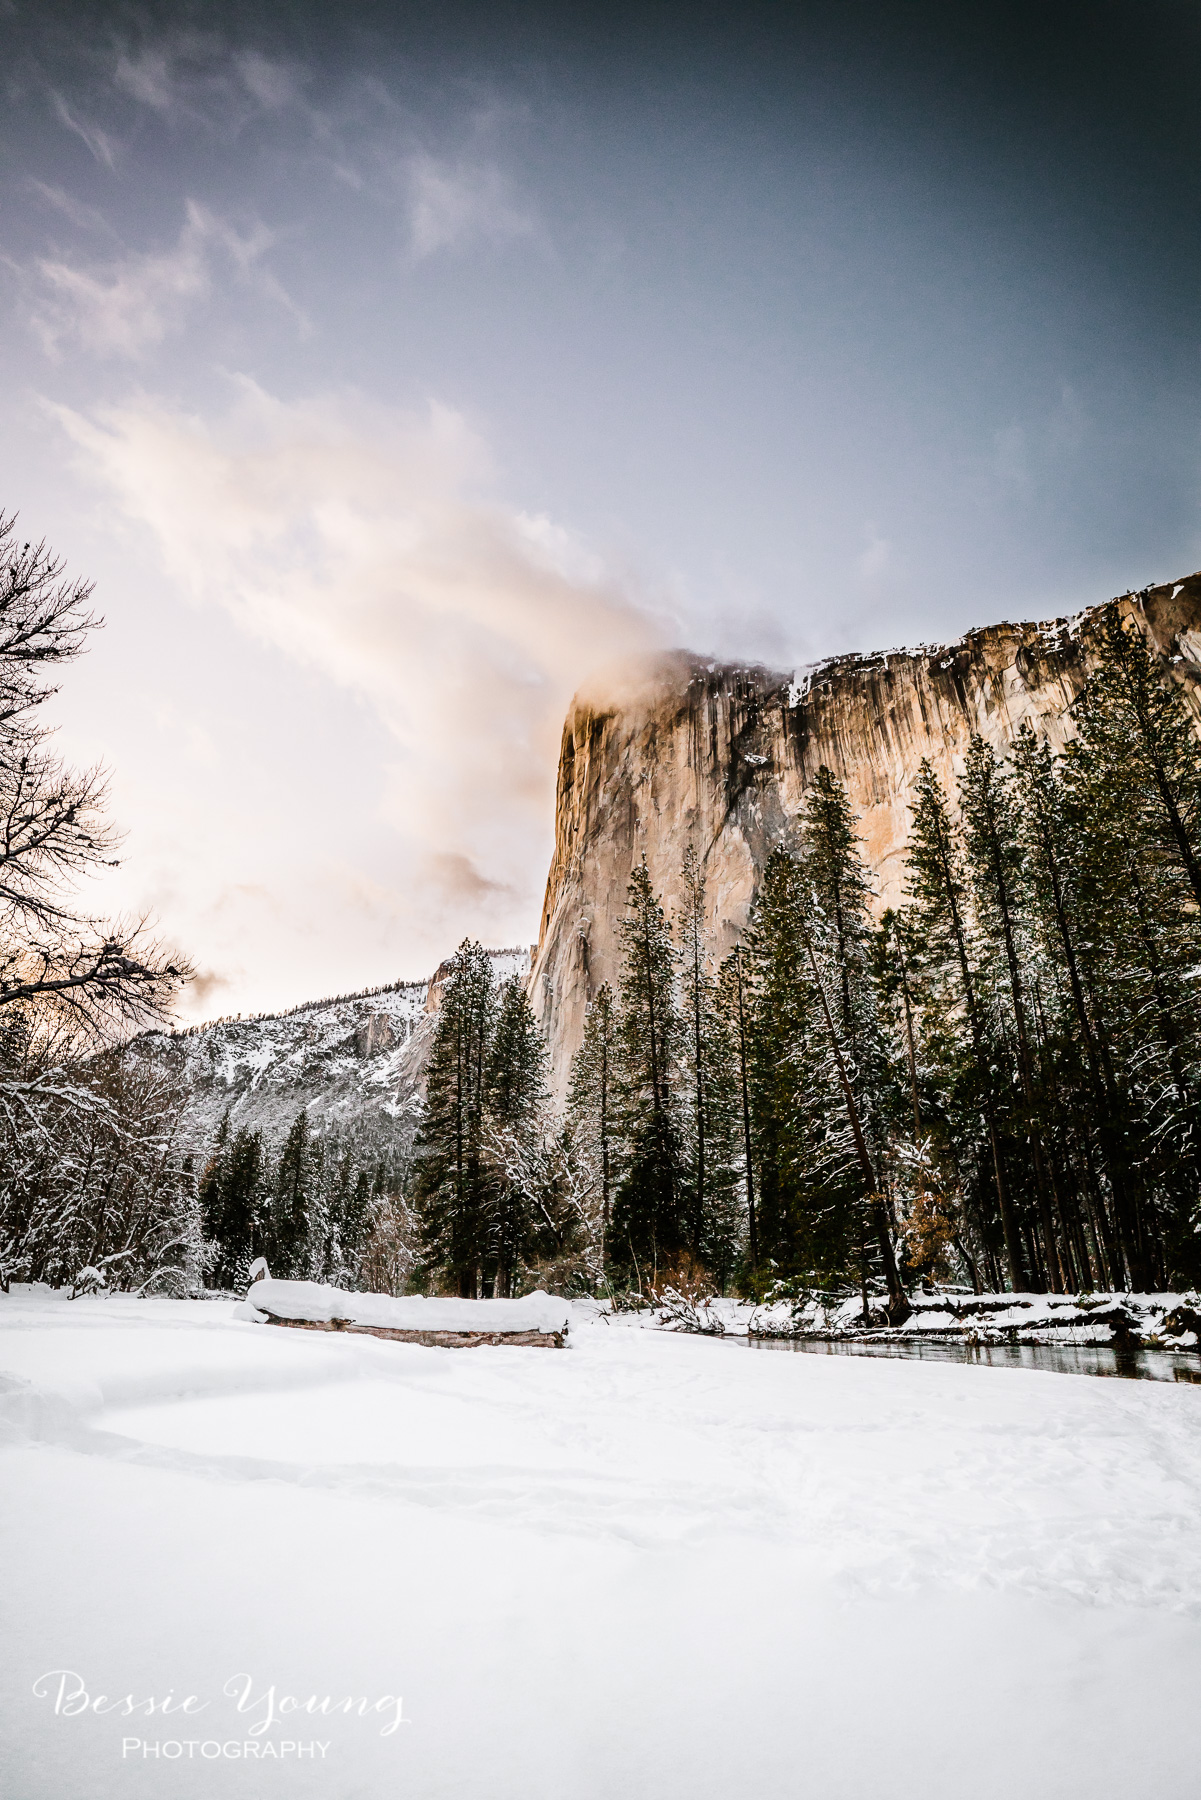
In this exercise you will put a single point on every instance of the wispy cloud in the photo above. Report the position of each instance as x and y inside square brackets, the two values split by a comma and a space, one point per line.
[148, 77]
[365, 544]
[102, 146]
[274, 85]
[199, 77]
[455, 203]
[128, 305]
[82, 216]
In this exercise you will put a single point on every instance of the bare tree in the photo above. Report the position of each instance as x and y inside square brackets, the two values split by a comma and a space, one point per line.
[69, 973]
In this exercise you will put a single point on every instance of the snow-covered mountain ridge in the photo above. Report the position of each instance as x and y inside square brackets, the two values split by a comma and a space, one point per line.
[350, 1060]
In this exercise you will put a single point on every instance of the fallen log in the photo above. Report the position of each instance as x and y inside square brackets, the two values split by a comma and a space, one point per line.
[535, 1321]
[450, 1340]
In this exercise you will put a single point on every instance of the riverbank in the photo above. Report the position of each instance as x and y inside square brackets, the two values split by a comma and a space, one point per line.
[1123, 1321]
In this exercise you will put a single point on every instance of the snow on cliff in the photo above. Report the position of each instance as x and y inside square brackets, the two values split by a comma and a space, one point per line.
[348, 1060]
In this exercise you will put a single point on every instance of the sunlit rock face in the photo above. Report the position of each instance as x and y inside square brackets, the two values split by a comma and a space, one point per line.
[721, 755]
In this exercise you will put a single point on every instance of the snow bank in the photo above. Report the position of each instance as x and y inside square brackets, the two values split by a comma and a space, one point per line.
[309, 1300]
[1167, 1321]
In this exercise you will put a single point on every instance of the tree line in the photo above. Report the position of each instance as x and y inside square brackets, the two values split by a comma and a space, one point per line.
[996, 1082]
[320, 1206]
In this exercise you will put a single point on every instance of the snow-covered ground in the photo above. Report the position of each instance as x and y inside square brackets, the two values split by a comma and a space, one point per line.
[645, 1565]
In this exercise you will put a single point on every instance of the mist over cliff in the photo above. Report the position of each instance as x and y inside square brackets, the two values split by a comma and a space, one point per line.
[683, 749]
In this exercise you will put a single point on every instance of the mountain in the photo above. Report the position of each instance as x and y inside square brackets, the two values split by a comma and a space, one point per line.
[357, 1060]
[688, 749]
[683, 749]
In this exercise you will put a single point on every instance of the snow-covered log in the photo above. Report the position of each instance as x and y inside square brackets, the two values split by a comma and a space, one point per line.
[536, 1320]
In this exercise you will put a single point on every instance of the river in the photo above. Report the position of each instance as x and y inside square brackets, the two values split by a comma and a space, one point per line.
[1060, 1359]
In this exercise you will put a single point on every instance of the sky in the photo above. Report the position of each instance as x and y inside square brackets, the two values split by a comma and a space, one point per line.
[393, 368]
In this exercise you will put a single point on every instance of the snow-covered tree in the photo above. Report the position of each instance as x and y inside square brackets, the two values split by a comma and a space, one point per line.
[590, 1112]
[649, 1226]
[450, 1178]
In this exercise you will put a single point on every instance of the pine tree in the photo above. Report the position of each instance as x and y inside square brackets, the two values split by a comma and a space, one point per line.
[997, 864]
[288, 1224]
[1093, 1107]
[591, 1101]
[836, 931]
[515, 1135]
[1135, 725]
[450, 1177]
[939, 900]
[711, 1125]
[1133, 780]
[807, 1200]
[734, 1008]
[649, 1210]
[234, 1196]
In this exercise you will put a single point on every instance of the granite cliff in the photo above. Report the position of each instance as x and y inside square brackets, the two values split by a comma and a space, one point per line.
[686, 749]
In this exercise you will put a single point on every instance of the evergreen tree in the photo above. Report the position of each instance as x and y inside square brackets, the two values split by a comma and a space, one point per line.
[649, 1221]
[233, 1195]
[734, 1008]
[451, 1178]
[807, 1207]
[591, 1103]
[941, 930]
[1135, 726]
[1092, 1107]
[997, 865]
[1132, 780]
[697, 1007]
[288, 1223]
[836, 931]
[710, 1110]
[516, 1133]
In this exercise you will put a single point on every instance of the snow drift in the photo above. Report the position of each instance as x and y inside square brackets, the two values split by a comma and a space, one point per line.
[308, 1302]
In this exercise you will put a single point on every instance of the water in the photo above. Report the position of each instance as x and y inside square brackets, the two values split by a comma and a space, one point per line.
[1061, 1359]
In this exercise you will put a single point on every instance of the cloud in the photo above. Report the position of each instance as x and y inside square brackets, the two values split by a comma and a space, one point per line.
[148, 78]
[85, 218]
[202, 988]
[197, 78]
[452, 204]
[124, 307]
[273, 84]
[102, 147]
[368, 545]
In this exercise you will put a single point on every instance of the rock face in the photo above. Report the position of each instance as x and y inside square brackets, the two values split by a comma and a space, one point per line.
[722, 755]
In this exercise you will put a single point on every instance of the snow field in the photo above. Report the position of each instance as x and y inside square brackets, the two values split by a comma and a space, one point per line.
[648, 1565]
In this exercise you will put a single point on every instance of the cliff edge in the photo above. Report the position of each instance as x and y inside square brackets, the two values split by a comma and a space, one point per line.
[682, 749]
